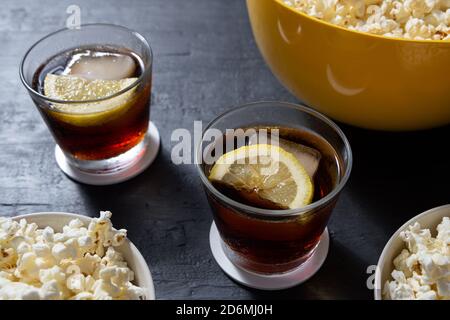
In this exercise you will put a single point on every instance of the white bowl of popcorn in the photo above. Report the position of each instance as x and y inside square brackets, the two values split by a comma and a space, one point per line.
[415, 263]
[56, 255]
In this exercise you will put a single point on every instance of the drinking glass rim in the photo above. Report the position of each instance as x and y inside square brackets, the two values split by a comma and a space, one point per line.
[268, 212]
[58, 101]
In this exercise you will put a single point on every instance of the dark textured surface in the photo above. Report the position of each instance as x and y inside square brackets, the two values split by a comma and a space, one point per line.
[205, 61]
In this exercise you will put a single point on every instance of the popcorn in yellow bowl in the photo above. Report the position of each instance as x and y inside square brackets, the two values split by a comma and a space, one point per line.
[410, 19]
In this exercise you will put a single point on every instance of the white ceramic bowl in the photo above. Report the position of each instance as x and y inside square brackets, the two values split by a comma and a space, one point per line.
[133, 257]
[428, 219]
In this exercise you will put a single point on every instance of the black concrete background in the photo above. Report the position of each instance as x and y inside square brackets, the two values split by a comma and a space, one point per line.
[205, 61]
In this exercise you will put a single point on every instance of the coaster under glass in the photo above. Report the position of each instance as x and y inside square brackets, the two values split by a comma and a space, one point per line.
[274, 281]
[141, 156]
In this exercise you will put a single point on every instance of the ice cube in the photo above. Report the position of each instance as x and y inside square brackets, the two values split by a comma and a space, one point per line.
[101, 66]
[307, 156]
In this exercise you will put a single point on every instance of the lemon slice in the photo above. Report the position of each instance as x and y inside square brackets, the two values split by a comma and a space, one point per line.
[267, 171]
[73, 88]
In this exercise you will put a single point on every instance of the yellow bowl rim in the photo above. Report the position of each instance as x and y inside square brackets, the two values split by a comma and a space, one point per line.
[441, 42]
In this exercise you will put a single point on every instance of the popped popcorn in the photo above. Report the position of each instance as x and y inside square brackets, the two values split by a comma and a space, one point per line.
[410, 19]
[79, 263]
[422, 270]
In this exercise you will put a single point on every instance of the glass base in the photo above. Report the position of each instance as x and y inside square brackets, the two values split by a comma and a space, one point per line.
[111, 165]
[277, 281]
[264, 268]
[114, 170]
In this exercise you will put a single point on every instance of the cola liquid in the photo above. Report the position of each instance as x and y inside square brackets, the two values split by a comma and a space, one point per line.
[276, 243]
[110, 129]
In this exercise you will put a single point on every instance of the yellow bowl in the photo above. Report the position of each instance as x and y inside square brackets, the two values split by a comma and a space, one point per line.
[361, 79]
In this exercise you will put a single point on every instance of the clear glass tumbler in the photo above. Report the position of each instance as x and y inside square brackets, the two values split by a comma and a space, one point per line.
[102, 135]
[269, 241]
